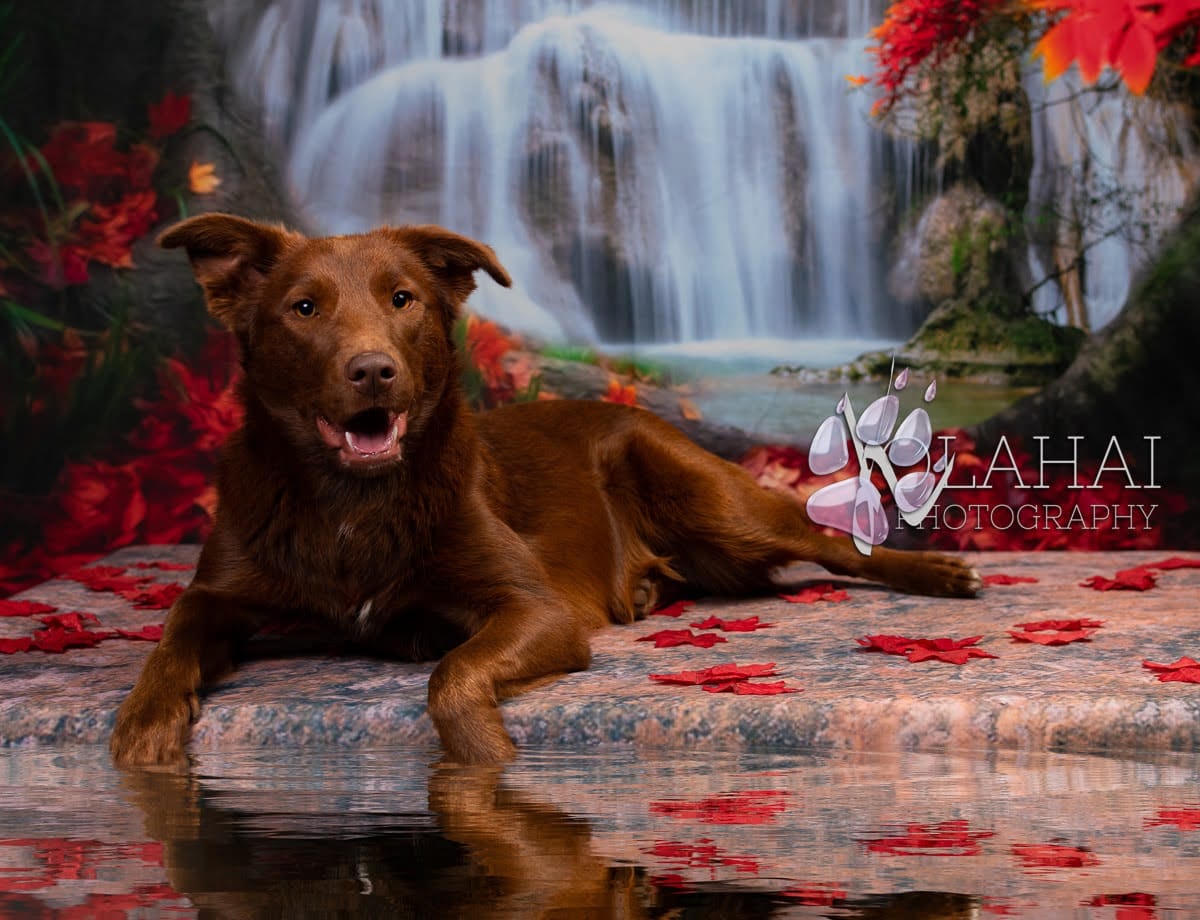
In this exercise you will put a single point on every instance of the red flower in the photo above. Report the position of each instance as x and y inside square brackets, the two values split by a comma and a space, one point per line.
[170, 115]
[616, 393]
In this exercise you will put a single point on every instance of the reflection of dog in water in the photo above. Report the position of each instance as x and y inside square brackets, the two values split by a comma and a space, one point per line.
[493, 853]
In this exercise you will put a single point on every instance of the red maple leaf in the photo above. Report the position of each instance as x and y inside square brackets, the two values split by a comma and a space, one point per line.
[1174, 562]
[8, 646]
[1084, 623]
[1135, 579]
[151, 632]
[717, 674]
[747, 625]
[952, 651]
[170, 115]
[947, 838]
[1053, 856]
[55, 639]
[746, 688]
[1000, 579]
[1052, 636]
[154, 596]
[1186, 819]
[165, 566]
[669, 638]
[11, 608]
[107, 578]
[1185, 670]
[69, 621]
[950, 656]
[815, 894]
[672, 610]
[743, 807]
[813, 593]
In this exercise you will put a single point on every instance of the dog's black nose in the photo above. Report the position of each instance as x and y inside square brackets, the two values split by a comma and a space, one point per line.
[371, 373]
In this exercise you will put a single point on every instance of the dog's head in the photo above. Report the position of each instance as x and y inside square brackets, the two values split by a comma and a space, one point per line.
[347, 340]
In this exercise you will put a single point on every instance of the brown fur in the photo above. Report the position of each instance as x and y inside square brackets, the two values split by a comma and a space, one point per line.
[501, 541]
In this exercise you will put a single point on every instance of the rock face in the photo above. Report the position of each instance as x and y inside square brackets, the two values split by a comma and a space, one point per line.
[956, 249]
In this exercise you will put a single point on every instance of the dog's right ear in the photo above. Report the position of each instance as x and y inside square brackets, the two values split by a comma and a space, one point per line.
[230, 257]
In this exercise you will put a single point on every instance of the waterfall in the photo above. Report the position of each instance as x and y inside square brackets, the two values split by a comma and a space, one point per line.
[665, 171]
[1111, 173]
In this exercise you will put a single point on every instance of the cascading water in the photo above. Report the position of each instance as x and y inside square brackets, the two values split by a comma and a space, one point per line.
[674, 171]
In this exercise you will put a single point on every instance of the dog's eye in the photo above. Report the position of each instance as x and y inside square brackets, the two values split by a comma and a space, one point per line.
[402, 299]
[304, 308]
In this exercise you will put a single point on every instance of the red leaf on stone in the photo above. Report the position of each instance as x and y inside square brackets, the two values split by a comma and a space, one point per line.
[717, 674]
[947, 838]
[107, 578]
[671, 880]
[1000, 579]
[1052, 636]
[815, 894]
[1175, 562]
[58, 640]
[703, 854]
[745, 688]
[748, 625]
[1084, 623]
[672, 610]
[1183, 676]
[154, 596]
[151, 632]
[889, 645]
[11, 608]
[1133, 899]
[950, 656]
[1135, 579]
[8, 646]
[1186, 819]
[1179, 665]
[813, 593]
[744, 807]
[70, 621]
[669, 638]
[1053, 856]
[165, 566]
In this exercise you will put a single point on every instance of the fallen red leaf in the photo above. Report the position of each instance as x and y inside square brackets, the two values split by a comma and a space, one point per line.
[671, 880]
[672, 610]
[717, 674]
[1186, 819]
[151, 632]
[815, 894]
[1053, 856]
[1084, 623]
[9, 646]
[69, 621]
[813, 593]
[1181, 664]
[947, 838]
[744, 807]
[165, 566]
[154, 596]
[745, 688]
[56, 639]
[952, 651]
[1135, 579]
[1185, 670]
[703, 854]
[1174, 562]
[1052, 636]
[669, 638]
[747, 625]
[107, 578]
[1000, 579]
[11, 608]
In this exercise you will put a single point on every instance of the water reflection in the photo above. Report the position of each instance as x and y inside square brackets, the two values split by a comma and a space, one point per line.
[302, 833]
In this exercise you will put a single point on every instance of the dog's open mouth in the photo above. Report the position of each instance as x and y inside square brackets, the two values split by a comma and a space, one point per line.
[369, 438]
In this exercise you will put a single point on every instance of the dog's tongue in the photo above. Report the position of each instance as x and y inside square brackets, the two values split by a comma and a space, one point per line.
[369, 442]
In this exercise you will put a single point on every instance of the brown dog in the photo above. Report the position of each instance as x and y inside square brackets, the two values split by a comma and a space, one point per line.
[362, 490]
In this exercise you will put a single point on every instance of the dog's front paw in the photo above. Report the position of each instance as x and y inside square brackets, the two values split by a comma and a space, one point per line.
[152, 728]
[941, 576]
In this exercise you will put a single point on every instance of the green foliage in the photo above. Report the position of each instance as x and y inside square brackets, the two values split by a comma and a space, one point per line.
[580, 354]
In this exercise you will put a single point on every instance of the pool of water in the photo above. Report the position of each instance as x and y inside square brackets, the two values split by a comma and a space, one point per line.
[319, 832]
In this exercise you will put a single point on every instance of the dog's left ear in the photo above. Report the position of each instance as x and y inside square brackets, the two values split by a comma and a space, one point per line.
[452, 258]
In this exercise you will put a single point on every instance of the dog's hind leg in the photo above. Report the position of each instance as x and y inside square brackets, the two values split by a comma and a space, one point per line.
[726, 534]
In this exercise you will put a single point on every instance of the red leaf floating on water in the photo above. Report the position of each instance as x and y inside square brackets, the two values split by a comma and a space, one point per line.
[748, 625]
[717, 674]
[952, 651]
[11, 608]
[813, 593]
[1135, 579]
[669, 638]
[672, 610]
[9, 646]
[1053, 856]
[1186, 819]
[751, 806]
[947, 838]
[746, 688]
[1000, 579]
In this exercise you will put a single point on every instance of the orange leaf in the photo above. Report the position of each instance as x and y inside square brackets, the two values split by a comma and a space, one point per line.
[202, 178]
[1057, 49]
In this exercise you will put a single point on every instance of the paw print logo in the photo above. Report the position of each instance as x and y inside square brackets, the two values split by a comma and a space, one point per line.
[854, 506]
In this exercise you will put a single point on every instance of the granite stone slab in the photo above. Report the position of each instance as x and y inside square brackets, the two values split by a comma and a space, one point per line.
[1084, 697]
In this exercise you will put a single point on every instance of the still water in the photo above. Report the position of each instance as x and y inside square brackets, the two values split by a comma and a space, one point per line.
[325, 832]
